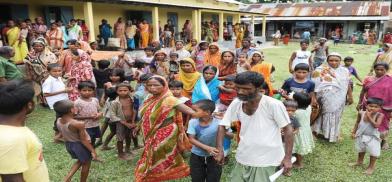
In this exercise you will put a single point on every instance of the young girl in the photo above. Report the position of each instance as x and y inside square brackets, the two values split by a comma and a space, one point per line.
[291, 108]
[76, 139]
[366, 134]
[227, 93]
[87, 110]
[116, 77]
[139, 65]
[199, 54]
[243, 65]
[303, 141]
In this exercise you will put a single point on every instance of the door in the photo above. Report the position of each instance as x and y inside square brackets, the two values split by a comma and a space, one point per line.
[54, 13]
[147, 15]
[173, 17]
[19, 12]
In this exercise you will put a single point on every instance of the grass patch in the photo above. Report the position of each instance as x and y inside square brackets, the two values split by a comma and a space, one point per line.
[328, 162]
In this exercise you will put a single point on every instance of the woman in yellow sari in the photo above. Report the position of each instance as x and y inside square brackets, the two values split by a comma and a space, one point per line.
[188, 75]
[213, 55]
[239, 35]
[258, 65]
[17, 39]
[145, 33]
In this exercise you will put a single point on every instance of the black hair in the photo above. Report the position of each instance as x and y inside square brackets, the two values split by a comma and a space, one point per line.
[145, 77]
[94, 42]
[301, 66]
[149, 48]
[246, 55]
[111, 93]
[118, 72]
[230, 78]
[103, 64]
[348, 58]
[176, 84]
[206, 105]
[290, 103]
[201, 43]
[386, 66]
[213, 68]
[374, 100]
[265, 87]
[159, 79]
[124, 84]
[173, 54]
[303, 42]
[302, 99]
[15, 95]
[63, 107]
[52, 65]
[72, 20]
[86, 84]
[249, 77]
[72, 42]
[139, 64]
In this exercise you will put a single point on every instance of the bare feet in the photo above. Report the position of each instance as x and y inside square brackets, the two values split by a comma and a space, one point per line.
[288, 174]
[138, 147]
[298, 166]
[369, 171]
[124, 157]
[106, 147]
[385, 146]
[355, 164]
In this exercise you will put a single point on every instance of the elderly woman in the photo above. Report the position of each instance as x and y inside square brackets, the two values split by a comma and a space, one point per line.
[332, 91]
[37, 61]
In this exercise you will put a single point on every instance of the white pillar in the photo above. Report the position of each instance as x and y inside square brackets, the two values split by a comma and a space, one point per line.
[200, 21]
[221, 26]
[89, 18]
[155, 23]
[195, 24]
[264, 28]
[252, 22]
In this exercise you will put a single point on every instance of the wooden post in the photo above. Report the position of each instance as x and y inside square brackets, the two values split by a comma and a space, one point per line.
[264, 27]
[155, 23]
[221, 26]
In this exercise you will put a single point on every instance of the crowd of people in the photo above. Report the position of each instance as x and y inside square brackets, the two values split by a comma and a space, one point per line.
[195, 99]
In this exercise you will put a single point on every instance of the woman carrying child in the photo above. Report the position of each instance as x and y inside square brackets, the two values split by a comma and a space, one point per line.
[161, 124]
[332, 91]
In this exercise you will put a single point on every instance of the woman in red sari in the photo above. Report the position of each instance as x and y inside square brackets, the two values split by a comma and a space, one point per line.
[85, 30]
[161, 125]
[227, 66]
[379, 86]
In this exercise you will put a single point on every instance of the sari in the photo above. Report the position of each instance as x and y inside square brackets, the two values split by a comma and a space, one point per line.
[20, 48]
[227, 69]
[188, 79]
[239, 37]
[119, 32]
[331, 90]
[85, 32]
[81, 70]
[205, 90]
[145, 34]
[198, 56]
[212, 59]
[130, 32]
[264, 69]
[386, 57]
[161, 124]
[55, 38]
[379, 88]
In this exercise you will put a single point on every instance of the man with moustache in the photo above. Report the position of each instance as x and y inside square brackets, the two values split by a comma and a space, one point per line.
[260, 149]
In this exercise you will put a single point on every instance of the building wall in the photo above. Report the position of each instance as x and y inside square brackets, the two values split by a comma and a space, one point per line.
[213, 4]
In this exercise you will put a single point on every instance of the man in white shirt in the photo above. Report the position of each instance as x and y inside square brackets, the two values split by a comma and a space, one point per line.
[260, 150]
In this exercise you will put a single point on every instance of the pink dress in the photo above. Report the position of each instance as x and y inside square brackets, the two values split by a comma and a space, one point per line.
[81, 71]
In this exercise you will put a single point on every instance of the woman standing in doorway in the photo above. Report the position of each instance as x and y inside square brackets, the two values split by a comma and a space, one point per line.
[119, 32]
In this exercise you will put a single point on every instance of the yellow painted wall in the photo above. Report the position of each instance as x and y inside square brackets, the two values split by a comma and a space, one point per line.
[209, 4]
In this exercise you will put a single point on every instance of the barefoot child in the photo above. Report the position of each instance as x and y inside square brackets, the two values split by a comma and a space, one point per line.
[111, 94]
[123, 114]
[291, 108]
[202, 134]
[366, 134]
[176, 88]
[303, 140]
[76, 139]
[87, 110]
[54, 90]
[243, 65]
[348, 61]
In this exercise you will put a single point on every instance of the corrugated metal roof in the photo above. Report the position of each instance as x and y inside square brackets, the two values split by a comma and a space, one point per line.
[352, 8]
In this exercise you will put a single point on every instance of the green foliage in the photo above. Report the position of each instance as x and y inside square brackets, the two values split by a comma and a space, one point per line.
[328, 162]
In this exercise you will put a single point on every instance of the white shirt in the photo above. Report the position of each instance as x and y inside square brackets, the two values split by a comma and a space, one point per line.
[260, 139]
[301, 57]
[51, 85]
[182, 54]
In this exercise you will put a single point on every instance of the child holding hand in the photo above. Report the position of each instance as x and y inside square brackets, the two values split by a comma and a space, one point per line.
[76, 139]
[202, 135]
[243, 65]
[366, 134]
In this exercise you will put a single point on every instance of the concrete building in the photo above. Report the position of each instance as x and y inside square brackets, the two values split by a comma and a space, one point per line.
[323, 18]
[157, 12]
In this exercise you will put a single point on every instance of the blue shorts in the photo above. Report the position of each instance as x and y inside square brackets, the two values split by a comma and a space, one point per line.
[94, 132]
[78, 151]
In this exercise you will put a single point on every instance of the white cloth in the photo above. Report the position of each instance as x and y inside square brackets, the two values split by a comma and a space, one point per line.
[147, 60]
[51, 85]
[260, 139]
[301, 57]
[182, 54]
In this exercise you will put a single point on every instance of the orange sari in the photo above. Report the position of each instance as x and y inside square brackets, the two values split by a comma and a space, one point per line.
[264, 69]
[145, 34]
[212, 59]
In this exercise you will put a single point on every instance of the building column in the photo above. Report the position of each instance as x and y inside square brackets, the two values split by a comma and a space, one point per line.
[89, 18]
[264, 28]
[252, 22]
[221, 26]
[199, 22]
[196, 24]
[239, 19]
[155, 23]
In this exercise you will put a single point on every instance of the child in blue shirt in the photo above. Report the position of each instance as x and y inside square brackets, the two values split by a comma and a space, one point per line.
[202, 134]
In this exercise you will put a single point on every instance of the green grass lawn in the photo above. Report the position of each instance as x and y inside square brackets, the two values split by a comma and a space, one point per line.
[328, 162]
